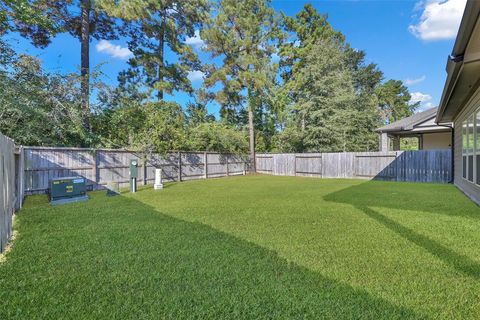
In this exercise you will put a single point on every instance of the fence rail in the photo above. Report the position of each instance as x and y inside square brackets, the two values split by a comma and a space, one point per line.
[7, 189]
[102, 166]
[413, 166]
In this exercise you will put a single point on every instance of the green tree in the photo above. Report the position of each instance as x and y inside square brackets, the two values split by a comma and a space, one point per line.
[121, 115]
[38, 108]
[153, 26]
[218, 137]
[120, 126]
[197, 113]
[325, 99]
[30, 18]
[306, 29]
[317, 82]
[164, 128]
[40, 20]
[366, 78]
[84, 21]
[394, 101]
[243, 35]
[310, 34]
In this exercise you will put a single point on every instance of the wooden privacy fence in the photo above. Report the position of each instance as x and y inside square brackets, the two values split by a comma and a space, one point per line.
[414, 166]
[7, 189]
[28, 170]
[102, 166]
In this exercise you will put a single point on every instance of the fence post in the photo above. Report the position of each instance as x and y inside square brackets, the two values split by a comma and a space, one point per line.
[205, 165]
[245, 165]
[397, 167]
[322, 164]
[295, 164]
[94, 169]
[179, 166]
[145, 170]
[227, 156]
[20, 178]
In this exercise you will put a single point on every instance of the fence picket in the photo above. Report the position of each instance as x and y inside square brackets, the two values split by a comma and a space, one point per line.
[103, 166]
[413, 166]
[8, 199]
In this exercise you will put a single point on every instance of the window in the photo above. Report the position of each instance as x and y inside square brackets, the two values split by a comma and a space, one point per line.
[464, 149]
[477, 147]
[470, 135]
[471, 148]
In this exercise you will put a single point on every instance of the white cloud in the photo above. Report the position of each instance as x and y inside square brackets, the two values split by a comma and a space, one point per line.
[419, 97]
[440, 19]
[115, 51]
[196, 75]
[424, 99]
[195, 41]
[410, 82]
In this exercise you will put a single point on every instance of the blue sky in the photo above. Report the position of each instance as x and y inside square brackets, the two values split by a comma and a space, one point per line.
[409, 40]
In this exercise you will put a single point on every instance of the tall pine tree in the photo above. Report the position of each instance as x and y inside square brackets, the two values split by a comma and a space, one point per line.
[316, 52]
[153, 27]
[243, 35]
[394, 101]
[84, 21]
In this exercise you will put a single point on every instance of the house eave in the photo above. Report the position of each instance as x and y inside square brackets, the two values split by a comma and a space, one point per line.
[463, 66]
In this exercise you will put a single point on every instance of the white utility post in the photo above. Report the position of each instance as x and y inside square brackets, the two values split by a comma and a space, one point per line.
[158, 179]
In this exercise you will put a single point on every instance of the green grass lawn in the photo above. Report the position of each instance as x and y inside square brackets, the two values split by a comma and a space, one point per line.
[248, 247]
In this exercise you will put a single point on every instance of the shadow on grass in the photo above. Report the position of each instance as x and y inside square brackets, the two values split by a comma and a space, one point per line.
[434, 198]
[117, 257]
[460, 262]
[426, 198]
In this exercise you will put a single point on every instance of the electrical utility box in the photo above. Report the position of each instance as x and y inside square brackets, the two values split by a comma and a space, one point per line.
[133, 175]
[68, 189]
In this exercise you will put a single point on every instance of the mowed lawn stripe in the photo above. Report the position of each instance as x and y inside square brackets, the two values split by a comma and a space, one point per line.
[248, 247]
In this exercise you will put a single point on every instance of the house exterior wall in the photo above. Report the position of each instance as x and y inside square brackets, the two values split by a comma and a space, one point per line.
[469, 188]
[435, 141]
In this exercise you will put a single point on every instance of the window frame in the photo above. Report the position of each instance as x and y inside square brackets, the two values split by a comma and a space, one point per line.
[471, 146]
[476, 146]
[464, 149]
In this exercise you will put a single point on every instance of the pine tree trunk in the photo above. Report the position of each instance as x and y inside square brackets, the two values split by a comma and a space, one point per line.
[161, 54]
[251, 131]
[85, 62]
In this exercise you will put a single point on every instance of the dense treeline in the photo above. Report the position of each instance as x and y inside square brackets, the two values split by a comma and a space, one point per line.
[282, 83]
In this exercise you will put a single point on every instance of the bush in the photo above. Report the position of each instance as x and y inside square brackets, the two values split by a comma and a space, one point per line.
[214, 136]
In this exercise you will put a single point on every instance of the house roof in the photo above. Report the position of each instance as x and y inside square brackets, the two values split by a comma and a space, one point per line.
[409, 123]
[463, 65]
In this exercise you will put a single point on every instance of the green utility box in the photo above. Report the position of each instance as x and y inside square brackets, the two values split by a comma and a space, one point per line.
[133, 175]
[68, 189]
[133, 169]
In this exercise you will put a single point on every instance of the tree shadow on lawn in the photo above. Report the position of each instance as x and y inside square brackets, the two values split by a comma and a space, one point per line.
[442, 199]
[371, 194]
[122, 258]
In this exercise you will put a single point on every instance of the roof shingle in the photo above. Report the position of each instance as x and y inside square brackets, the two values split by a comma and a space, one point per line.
[409, 122]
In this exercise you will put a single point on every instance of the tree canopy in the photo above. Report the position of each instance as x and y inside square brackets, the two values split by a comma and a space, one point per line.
[151, 27]
[280, 83]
